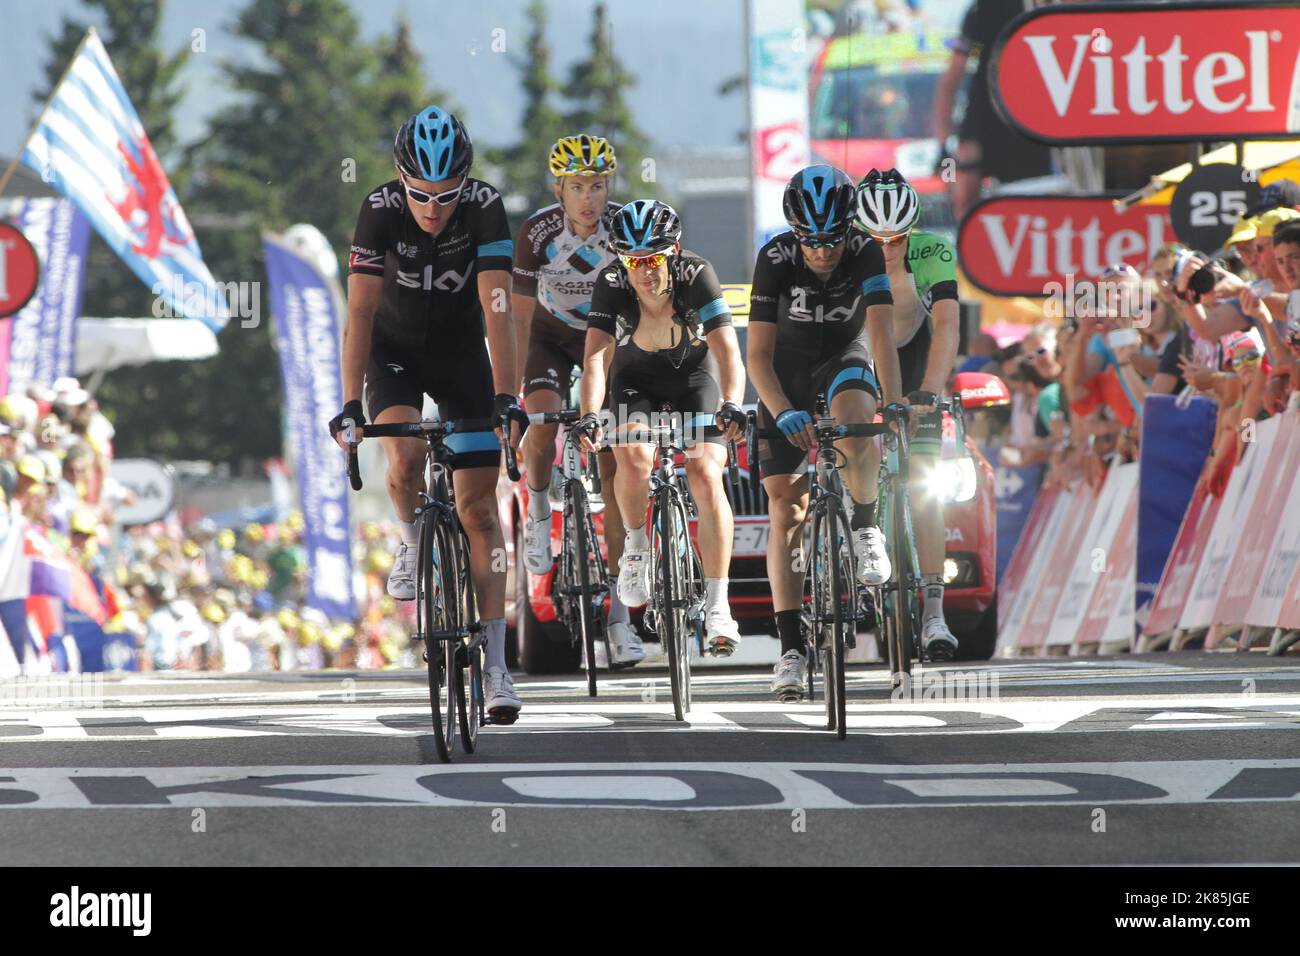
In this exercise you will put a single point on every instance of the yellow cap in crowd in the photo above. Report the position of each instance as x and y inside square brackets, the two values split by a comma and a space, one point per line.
[31, 467]
[1274, 218]
[1243, 231]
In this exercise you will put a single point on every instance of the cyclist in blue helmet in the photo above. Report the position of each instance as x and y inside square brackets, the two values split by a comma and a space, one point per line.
[820, 320]
[429, 281]
[659, 332]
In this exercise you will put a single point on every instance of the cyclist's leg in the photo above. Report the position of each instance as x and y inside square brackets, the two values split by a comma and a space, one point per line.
[394, 394]
[551, 357]
[785, 479]
[853, 394]
[461, 383]
[927, 509]
[705, 461]
[631, 489]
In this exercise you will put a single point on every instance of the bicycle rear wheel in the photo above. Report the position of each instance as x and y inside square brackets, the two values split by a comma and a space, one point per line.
[904, 610]
[672, 595]
[583, 601]
[432, 619]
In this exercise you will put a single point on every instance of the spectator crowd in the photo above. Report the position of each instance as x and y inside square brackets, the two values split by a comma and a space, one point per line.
[1225, 326]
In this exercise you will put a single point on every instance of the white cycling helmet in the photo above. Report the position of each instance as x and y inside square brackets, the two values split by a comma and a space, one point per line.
[887, 204]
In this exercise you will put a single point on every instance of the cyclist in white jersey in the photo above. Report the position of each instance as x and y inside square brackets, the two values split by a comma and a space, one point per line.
[560, 251]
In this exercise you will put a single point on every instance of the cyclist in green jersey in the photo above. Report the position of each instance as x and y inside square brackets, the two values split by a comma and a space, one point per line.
[922, 271]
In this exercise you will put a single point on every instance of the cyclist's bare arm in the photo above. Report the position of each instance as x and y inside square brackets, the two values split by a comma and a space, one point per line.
[597, 356]
[494, 294]
[943, 345]
[725, 347]
[364, 293]
[880, 330]
[523, 306]
[761, 350]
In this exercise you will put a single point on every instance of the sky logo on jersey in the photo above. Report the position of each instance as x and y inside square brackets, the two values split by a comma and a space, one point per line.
[781, 252]
[480, 193]
[449, 281]
[385, 197]
[799, 311]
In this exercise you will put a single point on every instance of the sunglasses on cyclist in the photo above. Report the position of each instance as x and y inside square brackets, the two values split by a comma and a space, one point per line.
[422, 198]
[821, 243]
[653, 261]
[891, 240]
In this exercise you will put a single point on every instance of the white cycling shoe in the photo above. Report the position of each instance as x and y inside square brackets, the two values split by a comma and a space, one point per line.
[721, 635]
[625, 649]
[634, 578]
[938, 641]
[499, 697]
[537, 544]
[401, 580]
[874, 568]
[790, 676]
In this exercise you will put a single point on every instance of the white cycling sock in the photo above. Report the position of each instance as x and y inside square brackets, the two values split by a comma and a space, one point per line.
[410, 533]
[494, 649]
[637, 540]
[618, 613]
[715, 592]
[539, 503]
[933, 585]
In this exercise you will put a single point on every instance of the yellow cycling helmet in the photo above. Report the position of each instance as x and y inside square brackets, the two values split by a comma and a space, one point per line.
[582, 155]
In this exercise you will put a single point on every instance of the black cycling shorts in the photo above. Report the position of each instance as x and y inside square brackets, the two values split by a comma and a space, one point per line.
[847, 370]
[458, 376]
[554, 348]
[912, 358]
[641, 383]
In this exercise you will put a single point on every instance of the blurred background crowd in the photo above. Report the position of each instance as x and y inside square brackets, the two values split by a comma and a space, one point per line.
[1224, 326]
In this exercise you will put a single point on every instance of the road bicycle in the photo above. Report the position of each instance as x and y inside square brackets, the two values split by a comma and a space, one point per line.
[447, 622]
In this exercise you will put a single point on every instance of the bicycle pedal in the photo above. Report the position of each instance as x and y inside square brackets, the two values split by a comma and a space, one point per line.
[502, 717]
[790, 698]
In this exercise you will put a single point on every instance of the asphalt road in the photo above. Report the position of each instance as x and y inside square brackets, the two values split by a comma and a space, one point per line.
[1186, 758]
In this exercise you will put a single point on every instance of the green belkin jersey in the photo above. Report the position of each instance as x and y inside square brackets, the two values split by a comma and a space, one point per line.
[932, 267]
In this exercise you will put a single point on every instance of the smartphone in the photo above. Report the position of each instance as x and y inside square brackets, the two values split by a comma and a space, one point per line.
[1118, 338]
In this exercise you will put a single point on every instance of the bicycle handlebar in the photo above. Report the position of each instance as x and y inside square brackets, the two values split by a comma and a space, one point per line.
[425, 430]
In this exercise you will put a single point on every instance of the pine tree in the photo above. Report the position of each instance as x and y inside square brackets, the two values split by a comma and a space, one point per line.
[596, 91]
[525, 162]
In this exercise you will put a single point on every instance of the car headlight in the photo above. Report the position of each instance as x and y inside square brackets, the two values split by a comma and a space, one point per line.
[953, 479]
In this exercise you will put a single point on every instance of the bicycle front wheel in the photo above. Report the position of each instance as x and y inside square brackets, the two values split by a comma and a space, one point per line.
[673, 597]
[833, 592]
[583, 599]
[432, 619]
[469, 659]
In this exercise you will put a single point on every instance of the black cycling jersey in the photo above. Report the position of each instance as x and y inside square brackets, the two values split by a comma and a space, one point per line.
[697, 303]
[814, 318]
[429, 281]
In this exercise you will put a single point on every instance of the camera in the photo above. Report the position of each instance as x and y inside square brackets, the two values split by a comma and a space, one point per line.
[1201, 282]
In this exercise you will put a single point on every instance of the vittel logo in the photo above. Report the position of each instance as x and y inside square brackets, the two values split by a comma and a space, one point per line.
[1213, 81]
[1148, 71]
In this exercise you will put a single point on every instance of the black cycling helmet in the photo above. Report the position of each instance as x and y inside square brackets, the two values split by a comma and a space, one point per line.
[644, 227]
[819, 202]
[432, 145]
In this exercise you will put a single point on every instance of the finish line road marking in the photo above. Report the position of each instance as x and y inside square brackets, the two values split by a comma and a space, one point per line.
[676, 786]
[976, 716]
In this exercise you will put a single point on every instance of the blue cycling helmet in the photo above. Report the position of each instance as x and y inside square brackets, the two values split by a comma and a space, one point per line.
[433, 145]
[644, 227]
[819, 202]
